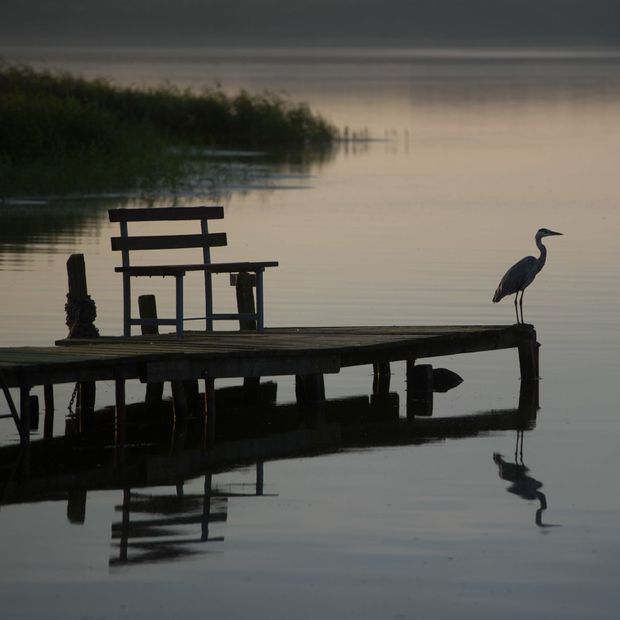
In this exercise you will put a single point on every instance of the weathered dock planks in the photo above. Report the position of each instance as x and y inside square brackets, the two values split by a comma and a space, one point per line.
[305, 352]
[241, 354]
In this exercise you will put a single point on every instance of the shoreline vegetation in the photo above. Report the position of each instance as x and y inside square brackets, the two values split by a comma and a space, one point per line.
[61, 133]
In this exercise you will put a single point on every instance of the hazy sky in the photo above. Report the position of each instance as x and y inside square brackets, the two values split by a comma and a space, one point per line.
[308, 22]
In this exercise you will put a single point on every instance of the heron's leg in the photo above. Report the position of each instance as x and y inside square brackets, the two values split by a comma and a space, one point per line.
[521, 306]
[516, 309]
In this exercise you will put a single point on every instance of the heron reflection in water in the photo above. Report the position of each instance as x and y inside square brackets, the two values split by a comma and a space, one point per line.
[522, 485]
[522, 273]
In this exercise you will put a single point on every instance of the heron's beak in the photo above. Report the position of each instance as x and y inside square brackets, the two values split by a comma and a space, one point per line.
[551, 233]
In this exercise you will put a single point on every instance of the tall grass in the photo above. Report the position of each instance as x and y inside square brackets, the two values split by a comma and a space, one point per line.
[55, 127]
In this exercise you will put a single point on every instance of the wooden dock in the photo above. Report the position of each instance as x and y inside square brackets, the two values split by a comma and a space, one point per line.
[304, 352]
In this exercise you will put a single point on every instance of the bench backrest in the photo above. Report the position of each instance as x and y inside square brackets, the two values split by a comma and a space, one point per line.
[205, 240]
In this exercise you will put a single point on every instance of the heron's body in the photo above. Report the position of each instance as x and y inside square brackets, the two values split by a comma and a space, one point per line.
[522, 273]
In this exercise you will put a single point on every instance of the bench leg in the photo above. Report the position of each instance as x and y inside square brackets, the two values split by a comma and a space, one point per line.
[126, 305]
[260, 322]
[208, 301]
[179, 305]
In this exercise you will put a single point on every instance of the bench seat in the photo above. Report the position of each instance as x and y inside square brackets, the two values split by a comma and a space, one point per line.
[204, 240]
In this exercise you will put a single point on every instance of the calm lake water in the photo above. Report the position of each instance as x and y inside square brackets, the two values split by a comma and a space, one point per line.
[471, 154]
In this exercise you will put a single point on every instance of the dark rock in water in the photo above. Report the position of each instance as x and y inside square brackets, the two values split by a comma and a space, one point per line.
[444, 380]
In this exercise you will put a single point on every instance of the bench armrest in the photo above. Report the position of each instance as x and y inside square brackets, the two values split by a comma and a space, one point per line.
[177, 270]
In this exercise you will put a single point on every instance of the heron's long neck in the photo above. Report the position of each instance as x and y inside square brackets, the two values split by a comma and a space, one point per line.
[543, 253]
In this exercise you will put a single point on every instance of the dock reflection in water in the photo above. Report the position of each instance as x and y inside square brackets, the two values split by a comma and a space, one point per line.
[156, 525]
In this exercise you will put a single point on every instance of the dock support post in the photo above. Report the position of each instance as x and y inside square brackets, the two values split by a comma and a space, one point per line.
[24, 411]
[34, 413]
[148, 310]
[210, 412]
[310, 393]
[85, 403]
[419, 389]
[179, 402]
[48, 422]
[381, 379]
[528, 360]
[310, 390]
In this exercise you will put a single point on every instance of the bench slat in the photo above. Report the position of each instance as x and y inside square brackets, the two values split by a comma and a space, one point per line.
[169, 242]
[166, 214]
[173, 270]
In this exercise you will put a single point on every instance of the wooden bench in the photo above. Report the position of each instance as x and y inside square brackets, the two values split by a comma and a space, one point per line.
[204, 239]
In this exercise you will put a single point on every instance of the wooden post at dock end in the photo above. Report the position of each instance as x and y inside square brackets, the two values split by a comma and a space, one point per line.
[529, 399]
[148, 310]
[81, 313]
[529, 360]
[419, 390]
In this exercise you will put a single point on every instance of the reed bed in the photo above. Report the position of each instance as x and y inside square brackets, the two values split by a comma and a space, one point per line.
[60, 130]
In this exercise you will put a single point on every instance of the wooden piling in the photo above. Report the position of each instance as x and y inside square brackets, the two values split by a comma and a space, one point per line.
[381, 379]
[24, 409]
[419, 389]
[148, 310]
[34, 412]
[179, 401]
[310, 390]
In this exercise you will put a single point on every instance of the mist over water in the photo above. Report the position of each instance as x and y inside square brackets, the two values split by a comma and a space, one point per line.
[470, 154]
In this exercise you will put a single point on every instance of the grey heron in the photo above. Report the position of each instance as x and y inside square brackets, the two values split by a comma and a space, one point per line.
[522, 273]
